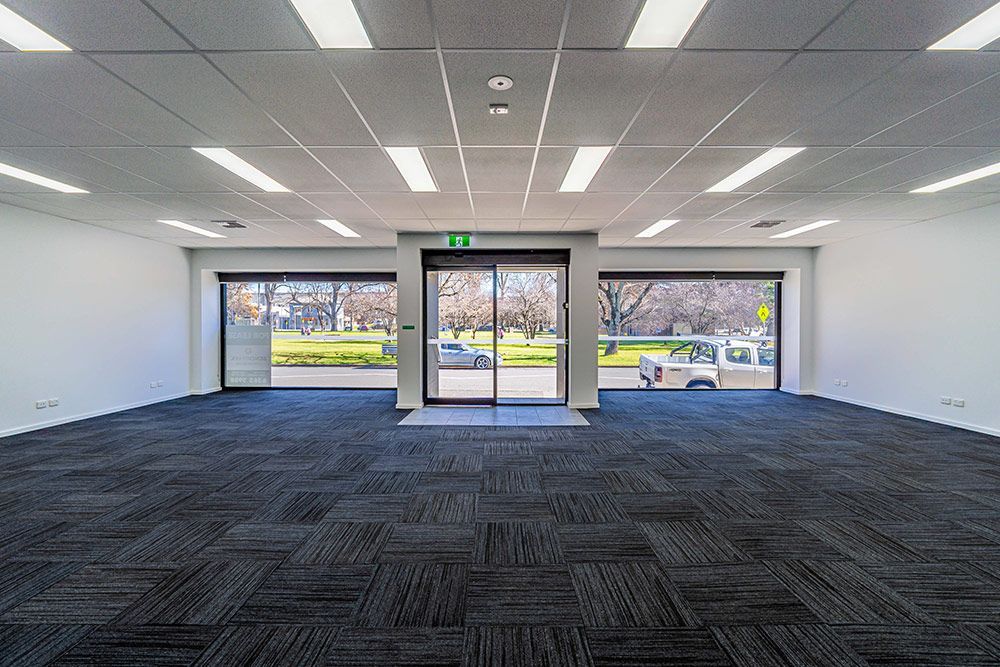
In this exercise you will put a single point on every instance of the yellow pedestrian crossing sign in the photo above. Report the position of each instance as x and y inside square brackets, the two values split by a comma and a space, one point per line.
[763, 313]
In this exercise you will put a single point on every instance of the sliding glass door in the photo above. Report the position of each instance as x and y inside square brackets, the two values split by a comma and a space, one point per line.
[460, 351]
[495, 333]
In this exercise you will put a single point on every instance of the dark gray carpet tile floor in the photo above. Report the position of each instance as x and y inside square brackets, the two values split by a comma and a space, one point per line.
[306, 528]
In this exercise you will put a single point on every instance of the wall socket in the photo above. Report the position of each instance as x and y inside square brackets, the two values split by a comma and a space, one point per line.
[958, 402]
[836, 382]
[843, 383]
[53, 402]
[946, 400]
[41, 405]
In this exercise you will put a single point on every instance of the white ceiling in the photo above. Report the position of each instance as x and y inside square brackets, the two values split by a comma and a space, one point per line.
[850, 80]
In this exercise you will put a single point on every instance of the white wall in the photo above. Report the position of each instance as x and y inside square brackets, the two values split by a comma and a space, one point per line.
[89, 316]
[912, 314]
[796, 292]
[205, 306]
[582, 390]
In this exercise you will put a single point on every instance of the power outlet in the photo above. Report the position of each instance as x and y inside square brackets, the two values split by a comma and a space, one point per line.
[946, 400]
[159, 383]
[53, 402]
[41, 405]
[843, 383]
[836, 383]
[958, 402]
[152, 385]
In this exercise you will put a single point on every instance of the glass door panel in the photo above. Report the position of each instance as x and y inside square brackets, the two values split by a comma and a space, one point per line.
[531, 334]
[460, 353]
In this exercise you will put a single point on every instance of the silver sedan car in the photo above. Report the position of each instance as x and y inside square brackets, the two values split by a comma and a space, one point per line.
[461, 355]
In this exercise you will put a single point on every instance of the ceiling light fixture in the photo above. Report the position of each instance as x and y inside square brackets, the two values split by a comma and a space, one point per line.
[974, 35]
[334, 24]
[656, 228]
[991, 170]
[411, 165]
[804, 228]
[23, 175]
[583, 168]
[662, 24]
[191, 228]
[755, 168]
[226, 158]
[340, 228]
[24, 35]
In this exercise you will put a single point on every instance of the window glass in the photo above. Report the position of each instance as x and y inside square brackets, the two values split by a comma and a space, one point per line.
[683, 322]
[738, 355]
[321, 334]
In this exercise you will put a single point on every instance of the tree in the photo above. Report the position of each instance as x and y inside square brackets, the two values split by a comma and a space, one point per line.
[528, 301]
[374, 302]
[710, 307]
[620, 302]
[269, 291]
[464, 301]
[239, 303]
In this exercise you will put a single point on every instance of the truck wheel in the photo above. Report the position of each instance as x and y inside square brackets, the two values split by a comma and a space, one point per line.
[700, 384]
[483, 362]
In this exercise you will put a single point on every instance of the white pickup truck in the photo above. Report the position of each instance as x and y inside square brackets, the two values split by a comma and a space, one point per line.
[710, 364]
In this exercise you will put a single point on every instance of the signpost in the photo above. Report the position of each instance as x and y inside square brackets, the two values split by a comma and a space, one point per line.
[459, 241]
[763, 313]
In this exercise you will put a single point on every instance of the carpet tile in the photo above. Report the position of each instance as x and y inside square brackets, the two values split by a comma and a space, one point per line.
[691, 528]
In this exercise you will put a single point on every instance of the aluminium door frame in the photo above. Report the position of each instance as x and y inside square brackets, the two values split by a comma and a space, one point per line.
[493, 266]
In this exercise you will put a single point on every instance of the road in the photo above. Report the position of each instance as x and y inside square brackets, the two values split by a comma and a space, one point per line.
[512, 380]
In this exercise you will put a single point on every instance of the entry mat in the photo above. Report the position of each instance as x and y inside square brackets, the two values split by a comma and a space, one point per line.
[504, 415]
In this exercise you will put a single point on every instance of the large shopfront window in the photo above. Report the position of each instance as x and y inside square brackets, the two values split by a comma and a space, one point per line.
[319, 330]
[688, 331]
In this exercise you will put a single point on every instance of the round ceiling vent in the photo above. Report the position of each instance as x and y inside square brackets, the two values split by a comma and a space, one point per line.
[501, 82]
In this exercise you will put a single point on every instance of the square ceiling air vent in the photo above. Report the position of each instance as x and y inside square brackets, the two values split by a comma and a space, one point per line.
[230, 224]
[766, 224]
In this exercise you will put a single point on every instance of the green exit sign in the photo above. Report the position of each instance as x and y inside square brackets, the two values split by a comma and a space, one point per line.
[459, 241]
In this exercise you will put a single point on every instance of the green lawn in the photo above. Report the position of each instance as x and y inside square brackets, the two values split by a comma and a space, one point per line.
[291, 348]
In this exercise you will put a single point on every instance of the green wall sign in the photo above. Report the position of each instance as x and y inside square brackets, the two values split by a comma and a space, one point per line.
[459, 241]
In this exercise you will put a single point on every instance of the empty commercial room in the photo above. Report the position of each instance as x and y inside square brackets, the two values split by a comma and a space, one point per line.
[486, 332]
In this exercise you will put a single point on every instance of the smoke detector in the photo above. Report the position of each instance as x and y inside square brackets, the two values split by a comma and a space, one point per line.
[766, 224]
[501, 82]
[230, 224]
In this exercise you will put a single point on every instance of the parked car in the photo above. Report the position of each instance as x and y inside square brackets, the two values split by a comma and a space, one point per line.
[710, 364]
[462, 355]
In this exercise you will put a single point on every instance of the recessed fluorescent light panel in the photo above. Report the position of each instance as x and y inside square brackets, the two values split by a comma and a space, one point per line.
[334, 24]
[340, 228]
[804, 228]
[656, 228]
[410, 163]
[974, 35]
[23, 175]
[755, 168]
[25, 36]
[225, 158]
[662, 24]
[991, 170]
[581, 172]
[191, 228]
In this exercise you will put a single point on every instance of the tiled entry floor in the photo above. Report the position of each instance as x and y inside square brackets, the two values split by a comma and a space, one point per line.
[504, 415]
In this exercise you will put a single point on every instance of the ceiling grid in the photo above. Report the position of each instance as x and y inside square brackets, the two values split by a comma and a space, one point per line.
[851, 81]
